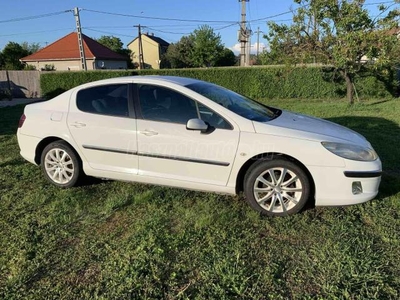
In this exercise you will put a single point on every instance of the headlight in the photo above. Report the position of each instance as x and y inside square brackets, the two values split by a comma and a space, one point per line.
[350, 151]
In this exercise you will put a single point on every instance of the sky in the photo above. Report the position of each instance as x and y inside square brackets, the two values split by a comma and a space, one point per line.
[100, 17]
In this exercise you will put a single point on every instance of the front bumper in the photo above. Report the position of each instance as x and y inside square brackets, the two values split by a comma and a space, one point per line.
[334, 186]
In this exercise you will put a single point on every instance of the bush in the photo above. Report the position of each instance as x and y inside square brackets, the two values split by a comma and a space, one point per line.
[54, 84]
[259, 83]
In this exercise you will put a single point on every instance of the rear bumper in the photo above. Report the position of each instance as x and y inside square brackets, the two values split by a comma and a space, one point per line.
[28, 145]
[334, 186]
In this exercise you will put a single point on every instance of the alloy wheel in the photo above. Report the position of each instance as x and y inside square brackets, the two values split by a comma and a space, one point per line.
[59, 166]
[278, 190]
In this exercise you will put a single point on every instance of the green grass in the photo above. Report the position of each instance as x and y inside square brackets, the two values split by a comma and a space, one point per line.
[116, 240]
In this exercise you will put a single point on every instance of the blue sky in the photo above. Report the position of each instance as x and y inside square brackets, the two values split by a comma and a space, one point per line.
[48, 29]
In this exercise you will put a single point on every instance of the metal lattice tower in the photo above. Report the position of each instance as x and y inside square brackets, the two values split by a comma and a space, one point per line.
[80, 40]
[243, 36]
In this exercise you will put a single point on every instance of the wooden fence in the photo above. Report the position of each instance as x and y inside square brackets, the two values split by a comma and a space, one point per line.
[21, 84]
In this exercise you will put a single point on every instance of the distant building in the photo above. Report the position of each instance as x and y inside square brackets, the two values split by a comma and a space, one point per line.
[64, 55]
[153, 49]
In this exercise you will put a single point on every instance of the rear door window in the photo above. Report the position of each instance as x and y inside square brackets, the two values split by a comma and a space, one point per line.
[111, 100]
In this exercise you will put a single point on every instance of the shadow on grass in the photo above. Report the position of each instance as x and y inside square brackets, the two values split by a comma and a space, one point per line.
[9, 117]
[13, 163]
[378, 102]
[90, 181]
[384, 135]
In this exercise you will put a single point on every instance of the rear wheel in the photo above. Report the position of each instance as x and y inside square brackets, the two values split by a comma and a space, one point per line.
[61, 165]
[276, 187]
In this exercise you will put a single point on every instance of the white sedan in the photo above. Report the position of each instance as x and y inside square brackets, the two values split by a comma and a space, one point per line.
[192, 134]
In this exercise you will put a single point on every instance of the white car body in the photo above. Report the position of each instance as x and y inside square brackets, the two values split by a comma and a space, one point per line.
[162, 153]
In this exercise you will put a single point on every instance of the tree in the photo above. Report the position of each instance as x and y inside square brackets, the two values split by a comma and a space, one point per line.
[31, 47]
[111, 42]
[116, 45]
[202, 48]
[1, 60]
[12, 53]
[207, 47]
[339, 33]
[227, 58]
[179, 55]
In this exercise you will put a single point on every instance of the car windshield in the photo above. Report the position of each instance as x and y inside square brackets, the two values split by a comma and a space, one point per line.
[236, 103]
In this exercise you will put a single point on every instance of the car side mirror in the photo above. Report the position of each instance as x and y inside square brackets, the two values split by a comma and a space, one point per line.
[197, 124]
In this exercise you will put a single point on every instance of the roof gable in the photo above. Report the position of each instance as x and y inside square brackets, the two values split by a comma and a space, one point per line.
[156, 39]
[67, 48]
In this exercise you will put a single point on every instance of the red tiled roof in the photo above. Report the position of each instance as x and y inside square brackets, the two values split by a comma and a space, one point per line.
[68, 48]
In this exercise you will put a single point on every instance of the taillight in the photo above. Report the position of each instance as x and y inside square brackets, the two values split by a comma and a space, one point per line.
[21, 121]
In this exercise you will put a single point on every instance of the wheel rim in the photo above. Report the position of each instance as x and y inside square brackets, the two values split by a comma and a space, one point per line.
[59, 166]
[278, 190]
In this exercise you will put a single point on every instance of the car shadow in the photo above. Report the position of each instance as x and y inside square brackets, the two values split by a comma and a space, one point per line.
[9, 117]
[384, 135]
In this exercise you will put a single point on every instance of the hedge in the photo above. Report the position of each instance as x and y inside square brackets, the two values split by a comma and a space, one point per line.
[256, 82]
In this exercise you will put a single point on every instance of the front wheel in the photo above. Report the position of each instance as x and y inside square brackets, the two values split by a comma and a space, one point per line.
[60, 164]
[276, 187]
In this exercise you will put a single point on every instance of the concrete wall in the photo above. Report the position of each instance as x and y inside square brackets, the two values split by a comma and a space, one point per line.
[75, 65]
[151, 52]
[24, 84]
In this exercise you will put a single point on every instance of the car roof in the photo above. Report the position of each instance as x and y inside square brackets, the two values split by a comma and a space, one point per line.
[172, 79]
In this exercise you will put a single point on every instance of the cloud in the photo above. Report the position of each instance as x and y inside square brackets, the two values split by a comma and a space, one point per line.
[236, 48]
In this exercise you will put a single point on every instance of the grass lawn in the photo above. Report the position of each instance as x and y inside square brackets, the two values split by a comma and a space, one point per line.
[116, 240]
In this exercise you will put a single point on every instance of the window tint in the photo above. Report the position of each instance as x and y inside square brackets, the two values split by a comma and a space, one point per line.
[212, 118]
[236, 103]
[165, 105]
[105, 100]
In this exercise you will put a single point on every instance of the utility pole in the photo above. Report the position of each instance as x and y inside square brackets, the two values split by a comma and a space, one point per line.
[243, 35]
[258, 41]
[248, 48]
[141, 56]
[80, 39]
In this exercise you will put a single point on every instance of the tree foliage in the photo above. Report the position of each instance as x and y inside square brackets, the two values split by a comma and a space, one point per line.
[227, 58]
[116, 45]
[202, 48]
[31, 47]
[111, 42]
[340, 33]
[11, 55]
[179, 55]
[13, 52]
[207, 47]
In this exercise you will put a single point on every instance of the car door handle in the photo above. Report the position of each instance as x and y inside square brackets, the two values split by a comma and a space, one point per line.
[148, 132]
[78, 124]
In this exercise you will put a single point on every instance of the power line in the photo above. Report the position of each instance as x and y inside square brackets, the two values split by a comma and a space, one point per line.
[155, 18]
[34, 32]
[227, 26]
[304, 6]
[35, 17]
[377, 3]
[273, 16]
[106, 32]
[152, 28]
[169, 32]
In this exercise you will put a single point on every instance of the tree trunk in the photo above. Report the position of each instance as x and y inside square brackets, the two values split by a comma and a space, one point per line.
[349, 85]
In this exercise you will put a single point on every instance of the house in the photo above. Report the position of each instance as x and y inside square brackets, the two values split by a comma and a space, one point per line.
[64, 55]
[153, 49]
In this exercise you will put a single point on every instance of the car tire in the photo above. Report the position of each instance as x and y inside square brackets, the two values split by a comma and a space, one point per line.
[272, 194]
[61, 165]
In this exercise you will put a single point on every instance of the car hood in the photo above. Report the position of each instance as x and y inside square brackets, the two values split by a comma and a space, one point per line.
[306, 127]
